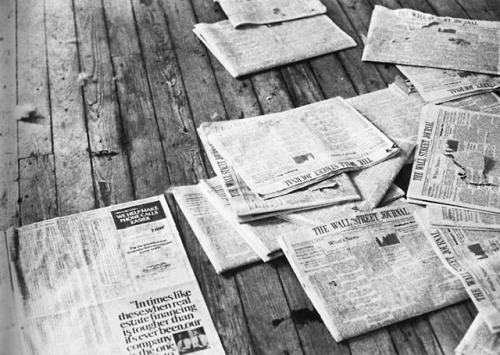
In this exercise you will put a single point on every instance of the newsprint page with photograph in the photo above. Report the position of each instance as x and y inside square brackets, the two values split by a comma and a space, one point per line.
[368, 270]
[115, 280]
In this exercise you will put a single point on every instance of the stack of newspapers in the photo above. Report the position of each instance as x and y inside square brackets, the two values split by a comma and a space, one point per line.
[456, 168]
[263, 34]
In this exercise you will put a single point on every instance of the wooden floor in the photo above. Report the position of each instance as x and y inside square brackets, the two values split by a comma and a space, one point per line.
[119, 87]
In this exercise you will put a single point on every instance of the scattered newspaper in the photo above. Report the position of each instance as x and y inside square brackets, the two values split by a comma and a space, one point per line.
[9, 336]
[456, 159]
[488, 102]
[110, 281]
[474, 257]
[368, 270]
[411, 37]
[260, 12]
[479, 340]
[279, 153]
[218, 232]
[440, 85]
[461, 218]
[247, 205]
[257, 48]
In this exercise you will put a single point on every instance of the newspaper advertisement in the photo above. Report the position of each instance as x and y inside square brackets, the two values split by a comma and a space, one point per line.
[256, 48]
[453, 217]
[440, 85]
[218, 232]
[479, 340]
[260, 12]
[247, 205]
[9, 336]
[279, 153]
[115, 280]
[261, 234]
[455, 162]
[415, 38]
[368, 270]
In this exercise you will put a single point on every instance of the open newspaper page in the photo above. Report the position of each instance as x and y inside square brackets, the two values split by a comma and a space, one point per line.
[452, 217]
[440, 85]
[261, 234]
[257, 48]
[473, 256]
[247, 205]
[487, 102]
[260, 12]
[456, 159]
[393, 111]
[110, 281]
[279, 153]
[411, 37]
[218, 231]
[479, 340]
[369, 270]
[9, 335]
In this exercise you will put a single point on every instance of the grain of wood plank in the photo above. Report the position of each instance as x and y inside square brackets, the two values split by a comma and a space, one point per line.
[8, 124]
[32, 78]
[271, 93]
[37, 186]
[414, 337]
[73, 167]
[202, 89]
[479, 10]
[111, 170]
[301, 84]
[374, 343]
[331, 77]
[144, 147]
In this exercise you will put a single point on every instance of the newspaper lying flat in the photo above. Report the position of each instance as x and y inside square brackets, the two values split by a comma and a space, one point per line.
[452, 217]
[257, 48]
[218, 232]
[248, 206]
[110, 281]
[455, 162]
[440, 85]
[9, 337]
[487, 102]
[368, 270]
[474, 257]
[259, 12]
[479, 340]
[411, 37]
[279, 153]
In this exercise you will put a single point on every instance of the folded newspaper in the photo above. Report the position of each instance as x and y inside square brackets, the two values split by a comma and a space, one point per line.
[248, 206]
[441, 85]
[279, 153]
[255, 48]
[115, 280]
[479, 340]
[456, 159]
[260, 12]
[452, 217]
[411, 37]
[474, 257]
[368, 270]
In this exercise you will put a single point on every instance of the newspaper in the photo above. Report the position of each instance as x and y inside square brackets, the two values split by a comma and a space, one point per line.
[487, 102]
[248, 206]
[259, 12]
[217, 231]
[440, 85]
[474, 257]
[368, 270]
[452, 217]
[479, 340]
[257, 48]
[110, 281]
[455, 162]
[394, 194]
[9, 337]
[411, 37]
[279, 153]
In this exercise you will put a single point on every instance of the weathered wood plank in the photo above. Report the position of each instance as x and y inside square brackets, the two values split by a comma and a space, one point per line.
[109, 157]
[71, 154]
[414, 337]
[37, 185]
[373, 343]
[32, 78]
[121, 29]
[8, 125]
